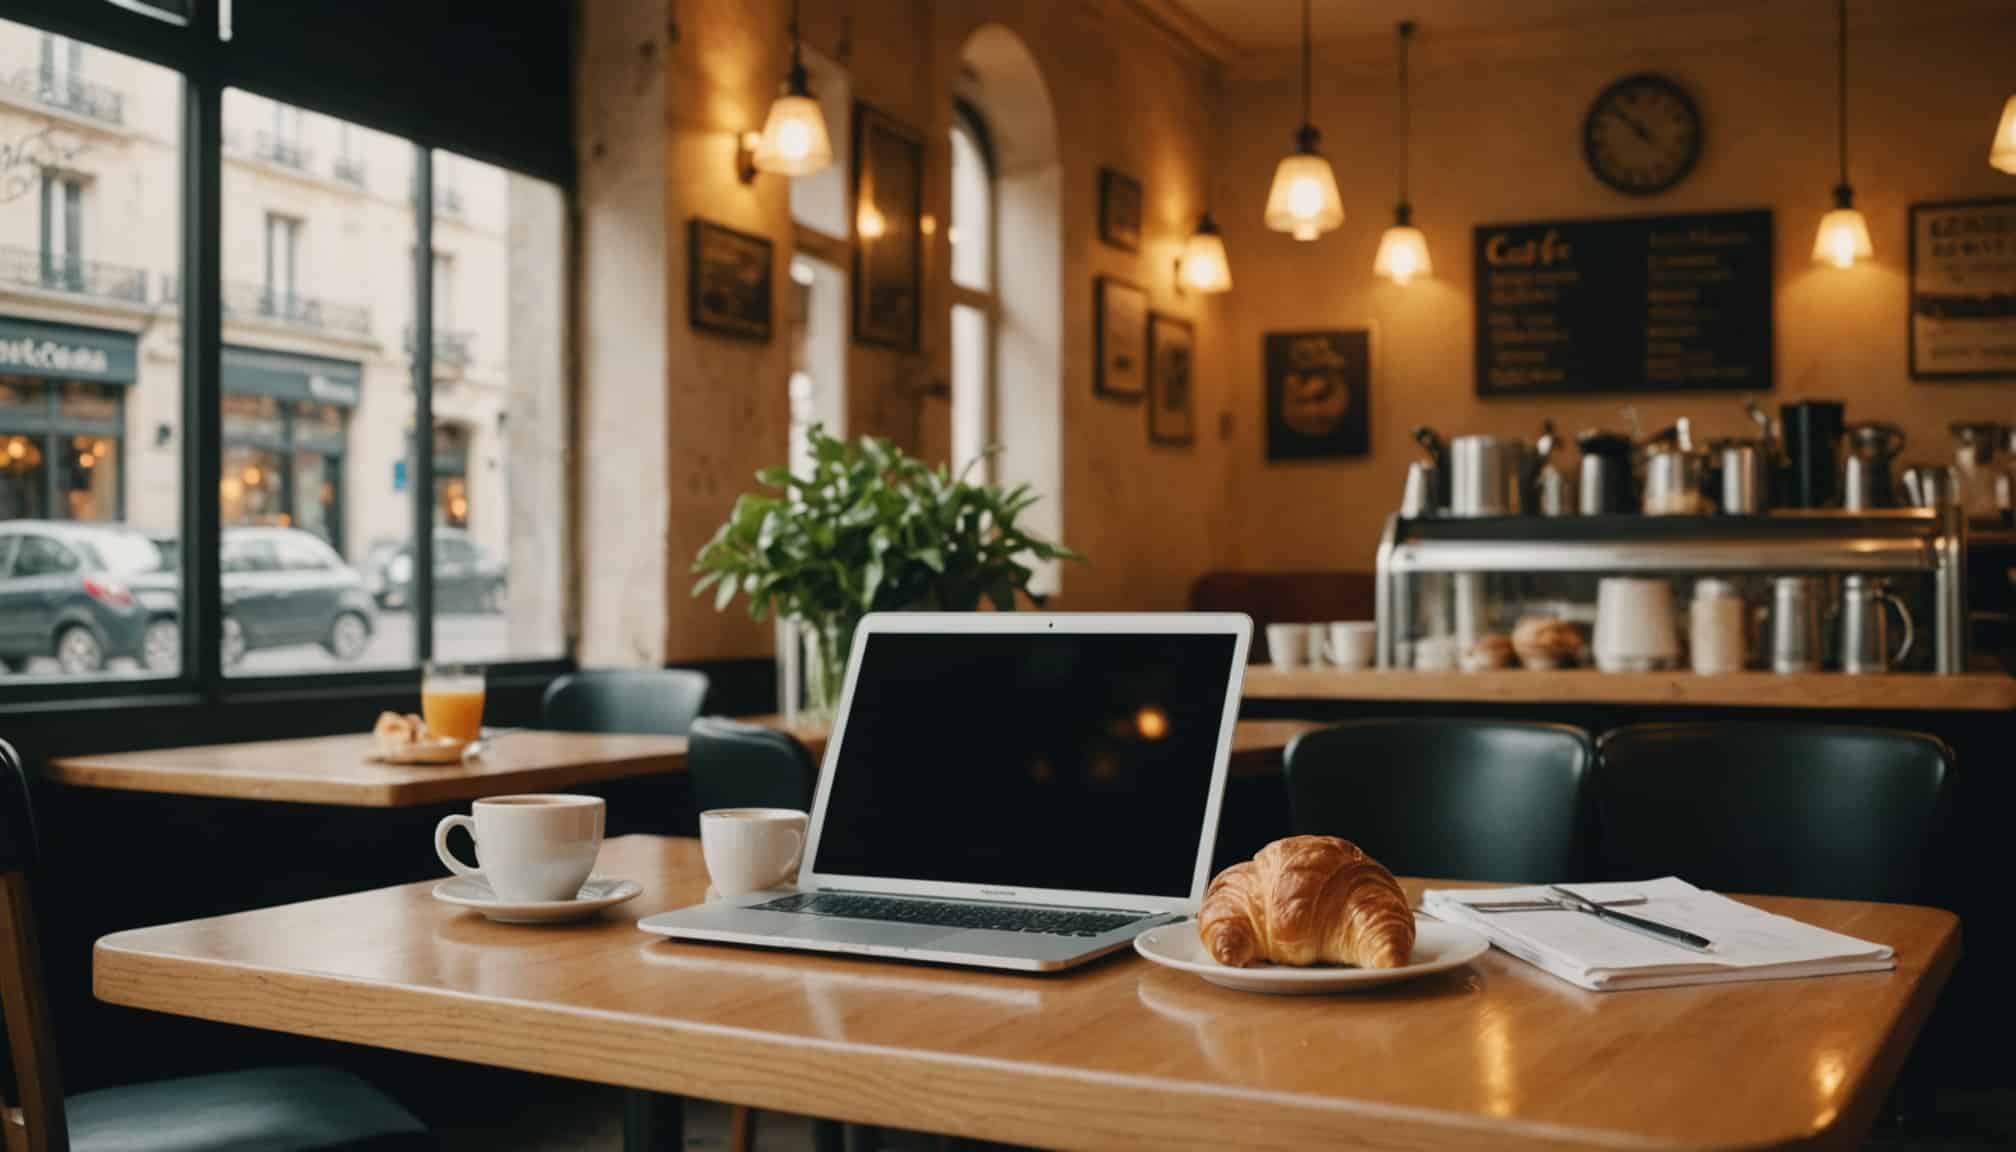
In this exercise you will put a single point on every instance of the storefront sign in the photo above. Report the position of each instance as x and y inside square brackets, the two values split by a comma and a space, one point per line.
[1632, 304]
[290, 376]
[66, 352]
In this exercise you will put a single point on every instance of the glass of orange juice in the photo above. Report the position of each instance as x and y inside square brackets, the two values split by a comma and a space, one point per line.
[451, 701]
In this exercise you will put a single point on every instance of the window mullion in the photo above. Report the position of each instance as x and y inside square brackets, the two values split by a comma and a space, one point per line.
[202, 404]
[422, 605]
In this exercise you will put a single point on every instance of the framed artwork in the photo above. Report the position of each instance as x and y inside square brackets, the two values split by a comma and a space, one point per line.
[1172, 362]
[1319, 394]
[1963, 290]
[888, 242]
[1119, 210]
[728, 274]
[1120, 338]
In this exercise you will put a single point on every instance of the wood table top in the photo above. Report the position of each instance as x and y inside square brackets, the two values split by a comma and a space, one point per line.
[1120, 1054]
[334, 769]
[1902, 691]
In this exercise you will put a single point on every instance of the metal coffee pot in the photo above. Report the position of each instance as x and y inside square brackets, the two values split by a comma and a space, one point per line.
[1605, 488]
[1865, 626]
[1866, 479]
[1488, 476]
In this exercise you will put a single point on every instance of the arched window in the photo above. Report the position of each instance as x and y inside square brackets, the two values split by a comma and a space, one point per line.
[976, 309]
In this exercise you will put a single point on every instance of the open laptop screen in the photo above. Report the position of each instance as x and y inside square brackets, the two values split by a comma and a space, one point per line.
[1078, 761]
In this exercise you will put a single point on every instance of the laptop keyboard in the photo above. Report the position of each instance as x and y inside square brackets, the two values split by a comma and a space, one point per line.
[953, 914]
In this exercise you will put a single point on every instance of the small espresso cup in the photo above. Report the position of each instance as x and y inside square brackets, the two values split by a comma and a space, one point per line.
[1353, 643]
[531, 848]
[751, 849]
[1294, 645]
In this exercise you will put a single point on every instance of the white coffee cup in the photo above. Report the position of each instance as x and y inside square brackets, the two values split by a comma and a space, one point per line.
[1435, 654]
[1292, 646]
[751, 849]
[1634, 625]
[1353, 643]
[533, 848]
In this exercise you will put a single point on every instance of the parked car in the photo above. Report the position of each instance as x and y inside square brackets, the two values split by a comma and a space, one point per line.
[466, 577]
[84, 594]
[284, 586]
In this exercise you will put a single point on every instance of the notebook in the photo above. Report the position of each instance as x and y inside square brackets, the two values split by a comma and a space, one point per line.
[1749, 943]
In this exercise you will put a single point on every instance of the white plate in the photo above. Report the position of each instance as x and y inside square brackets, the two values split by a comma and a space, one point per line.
[598, 893]
[1438, 947]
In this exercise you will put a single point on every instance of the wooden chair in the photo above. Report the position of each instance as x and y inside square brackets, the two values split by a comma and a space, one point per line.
[296, 1109]
[654, 702]
[1471, 799]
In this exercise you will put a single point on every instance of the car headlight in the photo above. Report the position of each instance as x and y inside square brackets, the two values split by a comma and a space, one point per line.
[401, 568]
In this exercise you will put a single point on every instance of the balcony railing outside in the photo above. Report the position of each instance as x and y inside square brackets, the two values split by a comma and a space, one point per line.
[282, 151]
[348, 169]
[258, 302]
[71, 94]
[55, 272]
[451, 346]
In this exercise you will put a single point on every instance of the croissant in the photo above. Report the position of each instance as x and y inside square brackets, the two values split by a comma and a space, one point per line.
[1307, 900]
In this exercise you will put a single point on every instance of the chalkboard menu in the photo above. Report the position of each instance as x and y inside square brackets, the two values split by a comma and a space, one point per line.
[1638, 304]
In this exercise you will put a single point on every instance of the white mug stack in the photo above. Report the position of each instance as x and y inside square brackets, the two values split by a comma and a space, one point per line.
[1349, 644]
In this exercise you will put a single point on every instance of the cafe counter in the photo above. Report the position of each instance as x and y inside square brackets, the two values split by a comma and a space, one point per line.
[1978, 692]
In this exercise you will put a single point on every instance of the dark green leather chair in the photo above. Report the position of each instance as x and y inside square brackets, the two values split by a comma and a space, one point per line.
[298, 1109]
[736, 765]
[653, 702]
[1453, 799]
[1776, 809]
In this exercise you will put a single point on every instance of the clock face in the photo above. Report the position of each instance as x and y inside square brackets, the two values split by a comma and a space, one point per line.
[1642, 136]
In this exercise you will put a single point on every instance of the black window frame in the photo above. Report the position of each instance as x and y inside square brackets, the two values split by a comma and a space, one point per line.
[209, 65]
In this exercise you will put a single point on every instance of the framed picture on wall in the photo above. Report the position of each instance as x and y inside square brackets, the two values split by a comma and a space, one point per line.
[1119, 209]
[888, 239]
[1319, 394]
[1172, 363]
[1963, 290]
[1120, 338]
[728, 274]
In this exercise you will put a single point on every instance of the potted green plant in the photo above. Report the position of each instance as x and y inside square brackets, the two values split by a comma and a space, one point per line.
[870, 529]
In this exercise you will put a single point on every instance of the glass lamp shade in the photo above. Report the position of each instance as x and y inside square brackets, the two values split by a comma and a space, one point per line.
[1205, 268]
[2002, 154]
[794, 140]
[1843, 240]
[1403, 255]
[1303, 201]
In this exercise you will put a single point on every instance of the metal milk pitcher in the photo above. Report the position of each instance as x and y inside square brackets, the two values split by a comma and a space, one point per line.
[1865, 625]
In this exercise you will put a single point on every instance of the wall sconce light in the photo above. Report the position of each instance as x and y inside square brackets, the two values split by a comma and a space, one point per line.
[1203, 266]
[2002, 154]
[794, 141]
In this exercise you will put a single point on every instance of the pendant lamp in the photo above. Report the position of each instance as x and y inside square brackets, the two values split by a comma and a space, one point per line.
[1303, 201]
[1403, 250]
[1843, 239]
[794, 141]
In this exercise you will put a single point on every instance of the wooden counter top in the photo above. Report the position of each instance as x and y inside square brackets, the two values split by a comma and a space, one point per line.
[1972, 692]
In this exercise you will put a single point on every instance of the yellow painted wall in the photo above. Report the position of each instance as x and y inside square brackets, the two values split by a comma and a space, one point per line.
[1497, 137]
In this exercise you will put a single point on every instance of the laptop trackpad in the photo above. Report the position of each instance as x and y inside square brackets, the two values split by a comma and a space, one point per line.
[882, 932]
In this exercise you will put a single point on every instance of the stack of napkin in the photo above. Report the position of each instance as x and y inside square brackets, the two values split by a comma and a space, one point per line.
[1748, 943]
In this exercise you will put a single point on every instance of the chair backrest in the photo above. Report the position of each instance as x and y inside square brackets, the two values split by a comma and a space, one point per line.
[1778, 809]
[35, 1121]
[1455, 799]
[735, 765]
[659, 702]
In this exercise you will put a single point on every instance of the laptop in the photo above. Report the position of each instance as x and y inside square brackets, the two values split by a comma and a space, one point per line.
[1008, 790]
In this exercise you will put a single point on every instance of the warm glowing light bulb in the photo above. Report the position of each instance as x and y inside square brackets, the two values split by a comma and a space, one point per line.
[1203, 267]
[1303, 200]
[2002, 153]
[251, 476]
[869, 222]
[1151, 723]
[1843, 239]
[794, 140]
[16, 449]
[1403, 255]
[87, 460]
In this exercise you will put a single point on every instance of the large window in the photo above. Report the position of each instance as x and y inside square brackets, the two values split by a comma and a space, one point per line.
[90, 458]
[975, 313]
[296, 446]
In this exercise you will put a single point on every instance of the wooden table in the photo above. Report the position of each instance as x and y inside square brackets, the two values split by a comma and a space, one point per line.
[1118, 1055]
[334, 769]
[1970, 692]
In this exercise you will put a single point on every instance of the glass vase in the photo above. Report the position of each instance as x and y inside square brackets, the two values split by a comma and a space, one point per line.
[827, 644]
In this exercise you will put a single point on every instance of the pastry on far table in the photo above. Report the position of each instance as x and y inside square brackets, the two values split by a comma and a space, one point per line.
[1546, 642]
[1491, 650]
[394, 732]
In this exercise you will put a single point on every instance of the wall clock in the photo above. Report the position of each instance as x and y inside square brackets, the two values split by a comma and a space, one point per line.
[1642, 135]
